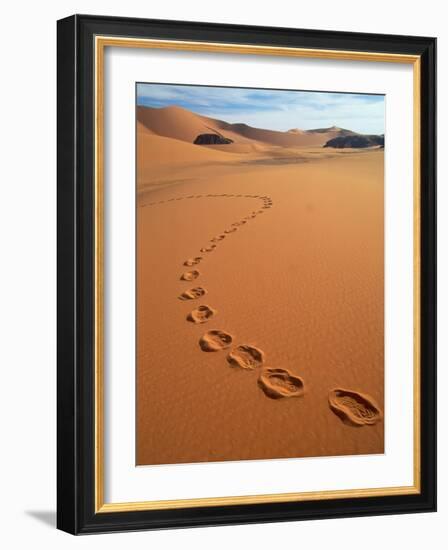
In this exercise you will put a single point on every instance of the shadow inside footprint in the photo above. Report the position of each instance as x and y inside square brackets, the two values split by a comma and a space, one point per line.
[193, 293]
[277, 383]
[218, 238]
[190, 275]
[246, 357]
[215, 340]
[201, 314]
[231, 230]
[208, 248]
[192, 261]
[353, 408]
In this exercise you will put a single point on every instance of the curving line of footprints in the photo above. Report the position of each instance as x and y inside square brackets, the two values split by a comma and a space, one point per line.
[354, 408]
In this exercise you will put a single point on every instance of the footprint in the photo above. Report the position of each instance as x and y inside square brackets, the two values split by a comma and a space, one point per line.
[236, 224]
[246, 357]
[277, 383]
[190, 275]
[201, 314]
[193, 293]
[193, 261]
[215, 340]
[208, 248]
[218, 238]
[231, 230]
[355, 409]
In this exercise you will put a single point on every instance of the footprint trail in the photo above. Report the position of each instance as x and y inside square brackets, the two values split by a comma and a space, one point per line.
[246, 357]
[190, 275]
[353, 408]
[193, 293]
[192, 261]
[201, 314]
[277, 383]
[215, 340]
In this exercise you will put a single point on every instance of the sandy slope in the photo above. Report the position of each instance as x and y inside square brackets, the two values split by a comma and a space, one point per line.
[301, 281]
[178, 123]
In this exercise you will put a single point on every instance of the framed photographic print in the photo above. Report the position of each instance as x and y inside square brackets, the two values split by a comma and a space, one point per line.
[246, 274]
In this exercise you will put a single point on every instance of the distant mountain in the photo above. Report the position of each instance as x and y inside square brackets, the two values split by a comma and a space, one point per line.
[355, 141]
[332, 129]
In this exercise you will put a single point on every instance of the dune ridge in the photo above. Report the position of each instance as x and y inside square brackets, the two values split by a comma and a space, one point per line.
[178, 123]
[281, 302]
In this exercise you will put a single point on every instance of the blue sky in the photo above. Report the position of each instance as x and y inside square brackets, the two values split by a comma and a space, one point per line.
[272, 109]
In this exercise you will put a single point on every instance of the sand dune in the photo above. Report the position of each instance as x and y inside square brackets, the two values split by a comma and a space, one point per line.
[165, 139]
[154, 150]
[155, 153]
[142, 129]
[178, 123]
[172, 122]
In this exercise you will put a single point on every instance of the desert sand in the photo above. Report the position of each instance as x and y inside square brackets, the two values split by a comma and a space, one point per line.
[260, 284]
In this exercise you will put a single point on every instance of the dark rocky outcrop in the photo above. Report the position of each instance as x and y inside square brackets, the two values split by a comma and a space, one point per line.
[355, 142]
[212, 139]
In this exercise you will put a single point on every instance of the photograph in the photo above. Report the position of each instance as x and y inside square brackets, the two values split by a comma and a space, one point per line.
[259, 273]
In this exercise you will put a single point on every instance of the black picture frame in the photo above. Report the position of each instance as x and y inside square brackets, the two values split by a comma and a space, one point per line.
[76, 512]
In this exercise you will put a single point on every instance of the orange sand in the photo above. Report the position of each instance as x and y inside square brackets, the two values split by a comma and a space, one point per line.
[301, 284]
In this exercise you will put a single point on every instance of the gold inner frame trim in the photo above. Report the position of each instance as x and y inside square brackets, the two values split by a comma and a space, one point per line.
[101, 42]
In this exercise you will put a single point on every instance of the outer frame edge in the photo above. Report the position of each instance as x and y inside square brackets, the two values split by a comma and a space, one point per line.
[67, 461]
[92, 523]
